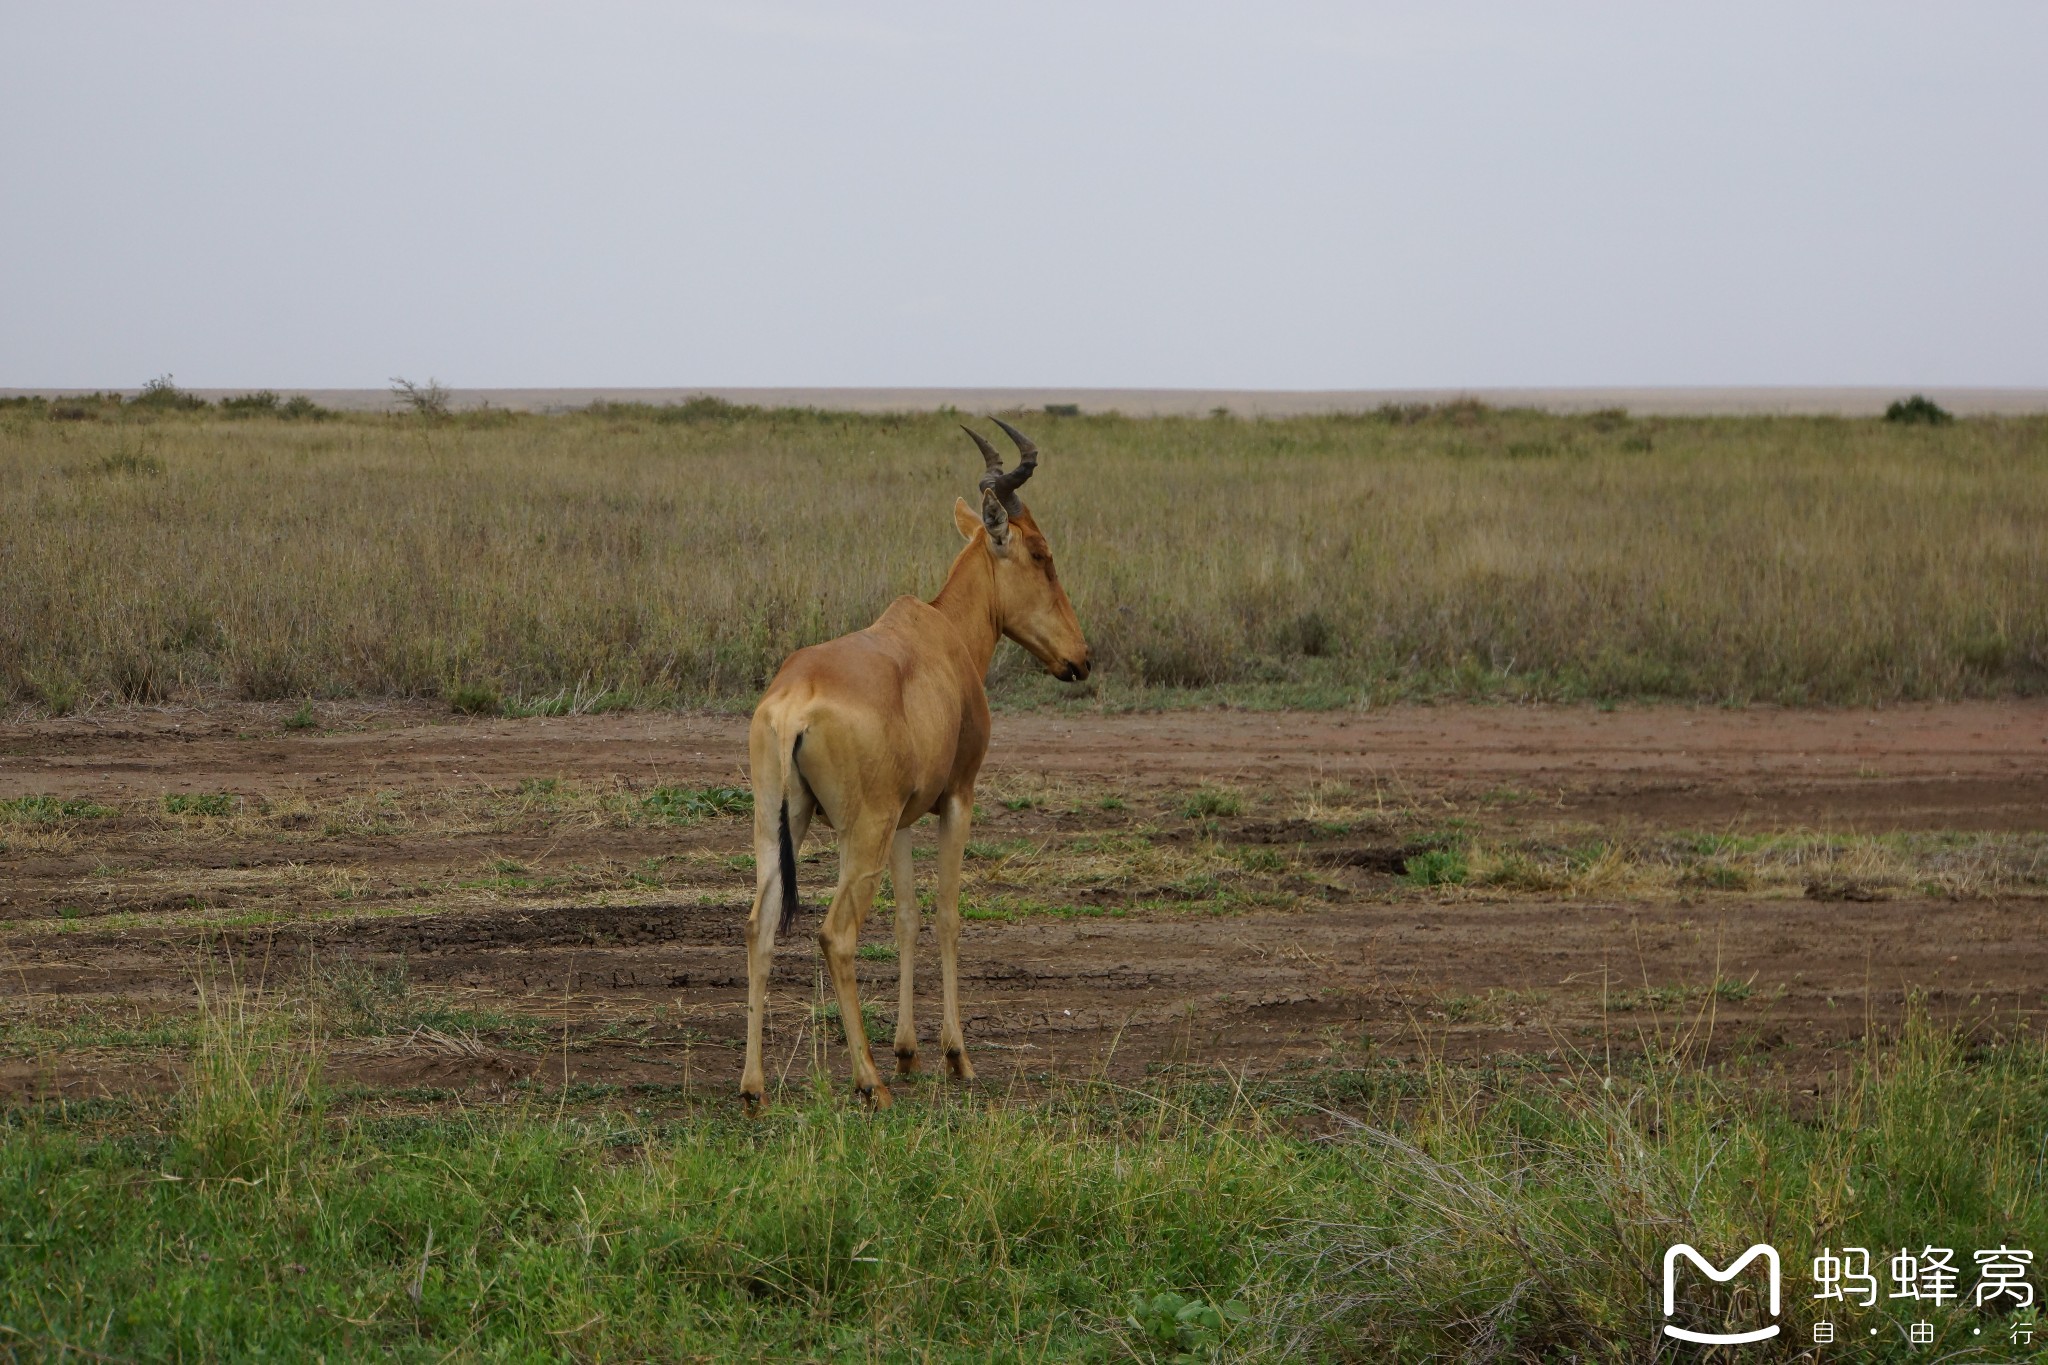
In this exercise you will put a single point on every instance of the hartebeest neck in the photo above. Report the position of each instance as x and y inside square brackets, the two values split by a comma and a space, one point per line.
[969, 601]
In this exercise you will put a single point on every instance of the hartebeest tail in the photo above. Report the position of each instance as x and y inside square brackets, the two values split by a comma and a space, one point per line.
[895, 720]
[786, 862]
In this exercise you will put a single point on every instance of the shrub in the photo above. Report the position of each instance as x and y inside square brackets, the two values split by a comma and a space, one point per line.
[704, 408]
[1918, 409]
[424, 400]
[161, 395]
[262, 403]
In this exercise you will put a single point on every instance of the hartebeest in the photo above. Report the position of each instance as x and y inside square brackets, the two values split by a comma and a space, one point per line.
[873, 730]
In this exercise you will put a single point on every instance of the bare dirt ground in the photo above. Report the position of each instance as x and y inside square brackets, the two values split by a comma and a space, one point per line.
[522, 920]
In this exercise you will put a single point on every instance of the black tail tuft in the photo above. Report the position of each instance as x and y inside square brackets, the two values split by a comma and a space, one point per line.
[788, 878]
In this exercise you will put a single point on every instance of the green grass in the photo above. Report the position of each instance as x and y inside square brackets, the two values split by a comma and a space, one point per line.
[537, 564]
[1340, 1214]
[44, 810]
[686, 805]
[199, 803]
[1209, 802]
[1437, 867]
[475, 699]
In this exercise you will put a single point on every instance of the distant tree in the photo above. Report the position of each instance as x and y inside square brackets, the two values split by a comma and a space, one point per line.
[428, 400]
[1920, 409]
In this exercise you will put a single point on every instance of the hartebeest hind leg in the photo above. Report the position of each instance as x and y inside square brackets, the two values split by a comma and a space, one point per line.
[863, 851]
[953, 826]
[906, 951]
[766, 917]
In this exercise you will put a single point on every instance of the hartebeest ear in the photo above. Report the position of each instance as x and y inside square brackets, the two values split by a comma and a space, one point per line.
[995, 518]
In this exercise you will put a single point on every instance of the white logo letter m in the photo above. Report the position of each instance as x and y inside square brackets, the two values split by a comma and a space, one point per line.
[1770, 1255]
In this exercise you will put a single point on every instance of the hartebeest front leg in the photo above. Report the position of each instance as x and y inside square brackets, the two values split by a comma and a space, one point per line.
[863, 851]
[954, 822]
[906, 951]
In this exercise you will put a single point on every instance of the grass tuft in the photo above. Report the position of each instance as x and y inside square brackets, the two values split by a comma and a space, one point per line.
[45, 810]
[687, 805]
[475, 699]
[1437, 867]
[1210, 802]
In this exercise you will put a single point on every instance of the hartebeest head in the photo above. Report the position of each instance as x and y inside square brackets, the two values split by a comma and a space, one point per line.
[1031, 606]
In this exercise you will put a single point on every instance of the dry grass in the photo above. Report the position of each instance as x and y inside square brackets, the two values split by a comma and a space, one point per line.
[579, 559]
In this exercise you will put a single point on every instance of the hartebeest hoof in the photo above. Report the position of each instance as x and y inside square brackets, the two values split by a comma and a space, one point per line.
[906, 1062]
[878, 1098]
[957, 1065]
[751, 1102]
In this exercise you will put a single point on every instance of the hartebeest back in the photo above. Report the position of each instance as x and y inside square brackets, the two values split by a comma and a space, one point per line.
[872, 731]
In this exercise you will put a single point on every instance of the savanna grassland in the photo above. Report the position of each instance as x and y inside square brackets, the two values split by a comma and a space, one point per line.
[152, 551]
[374, 847]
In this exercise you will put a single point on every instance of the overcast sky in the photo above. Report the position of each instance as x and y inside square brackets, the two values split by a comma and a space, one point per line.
[1255, 195]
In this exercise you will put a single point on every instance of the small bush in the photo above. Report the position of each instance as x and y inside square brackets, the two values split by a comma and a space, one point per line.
[423, 400]
[303, 718]
[1918, 409]
[1062, 409]
[702, 409]
[299, 408]
[476, 699]
[161, 395]
[262, 403]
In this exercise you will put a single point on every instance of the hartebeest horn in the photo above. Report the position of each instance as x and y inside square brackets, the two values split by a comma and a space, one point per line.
[1003, 485]
[989, 456]
[1028, 451]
